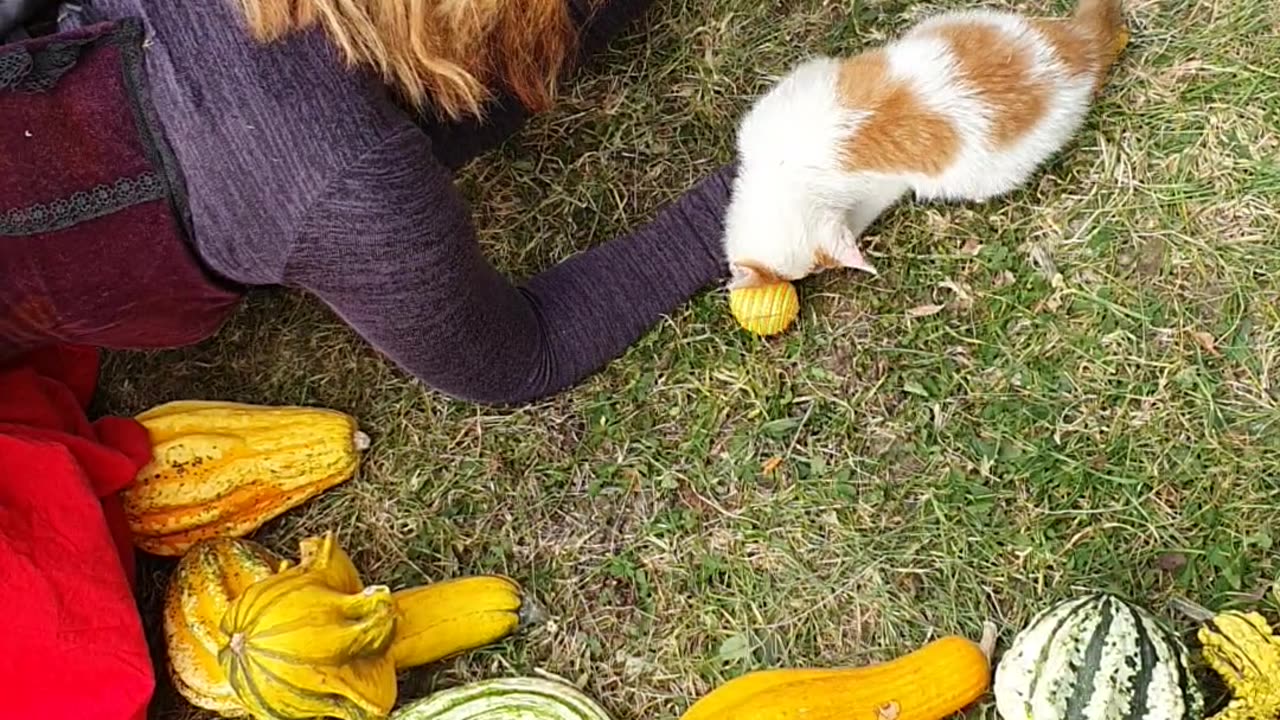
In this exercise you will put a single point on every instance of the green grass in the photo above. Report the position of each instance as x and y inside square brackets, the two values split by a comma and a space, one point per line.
[1097, 406]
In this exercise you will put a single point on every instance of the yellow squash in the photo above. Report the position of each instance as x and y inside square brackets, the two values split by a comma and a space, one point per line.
[208, 578]
[223, 469]
[313, 641]
[1245, 651]
[442, 619]
[932, 683]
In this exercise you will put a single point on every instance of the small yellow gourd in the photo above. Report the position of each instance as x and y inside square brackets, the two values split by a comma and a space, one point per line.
[1245, 651]
[931, 683]
[765, 310]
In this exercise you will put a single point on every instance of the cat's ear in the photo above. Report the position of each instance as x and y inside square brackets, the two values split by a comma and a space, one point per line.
[846, 254]
[749, 275]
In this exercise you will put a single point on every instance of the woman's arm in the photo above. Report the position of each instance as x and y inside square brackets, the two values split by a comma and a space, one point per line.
[391, 248]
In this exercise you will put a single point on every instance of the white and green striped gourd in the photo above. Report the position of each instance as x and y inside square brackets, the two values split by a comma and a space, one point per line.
[1096, 658]
[506, 699]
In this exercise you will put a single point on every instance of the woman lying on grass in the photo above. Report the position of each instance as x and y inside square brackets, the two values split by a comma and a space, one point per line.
[310, 143]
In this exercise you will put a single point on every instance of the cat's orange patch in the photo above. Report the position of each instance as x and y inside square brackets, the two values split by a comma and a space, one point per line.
[901, 134]
[823, 260]
[1071, 47]
[1079, 50]
[999, 69]
[760, 275]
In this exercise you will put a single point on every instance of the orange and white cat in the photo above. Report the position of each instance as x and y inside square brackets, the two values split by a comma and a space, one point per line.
[966, 106]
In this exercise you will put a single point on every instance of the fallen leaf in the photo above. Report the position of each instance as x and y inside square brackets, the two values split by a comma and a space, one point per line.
[735, 648]
[1206, 342]
[1192, 610]
[1151, 256]
[1259, 594]
[963, 297]
[956, 288]
[971, 248]
[1042, 258]
[920, 311]
[1171, 562]
[770, 465]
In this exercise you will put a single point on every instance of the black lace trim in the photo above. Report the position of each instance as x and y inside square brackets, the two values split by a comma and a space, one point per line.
[22, 70]
[128, 37]
[82, 206]
[165, 182]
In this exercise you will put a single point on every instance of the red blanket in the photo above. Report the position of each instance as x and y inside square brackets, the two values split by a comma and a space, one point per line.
[72, 646]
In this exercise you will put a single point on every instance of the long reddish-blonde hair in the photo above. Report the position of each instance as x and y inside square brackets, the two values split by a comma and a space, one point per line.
[450, 53]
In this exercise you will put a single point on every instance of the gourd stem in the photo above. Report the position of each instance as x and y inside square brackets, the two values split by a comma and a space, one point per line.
[990, 635]
[1196, 612]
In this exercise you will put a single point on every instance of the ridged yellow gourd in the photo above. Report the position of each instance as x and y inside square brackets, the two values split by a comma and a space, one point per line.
[313, 641]
[1244, 650]
[208, 578]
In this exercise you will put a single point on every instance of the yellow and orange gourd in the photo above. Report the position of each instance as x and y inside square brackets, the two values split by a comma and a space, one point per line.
[223, 469]
[931, 683]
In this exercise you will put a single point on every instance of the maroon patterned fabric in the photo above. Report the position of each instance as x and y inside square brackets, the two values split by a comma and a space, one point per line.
[92, 241]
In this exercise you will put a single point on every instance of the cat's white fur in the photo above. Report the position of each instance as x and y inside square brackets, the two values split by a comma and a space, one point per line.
[792, 199]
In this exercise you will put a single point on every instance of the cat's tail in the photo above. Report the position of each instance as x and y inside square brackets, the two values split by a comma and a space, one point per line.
[1103, 21]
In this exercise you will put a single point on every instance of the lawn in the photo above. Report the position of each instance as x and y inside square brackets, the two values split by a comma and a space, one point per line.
[1073, 388]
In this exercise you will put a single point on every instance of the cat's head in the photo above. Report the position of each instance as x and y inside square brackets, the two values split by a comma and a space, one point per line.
[774, 234]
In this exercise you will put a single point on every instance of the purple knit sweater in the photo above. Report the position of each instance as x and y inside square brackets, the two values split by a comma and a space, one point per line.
[303, 173]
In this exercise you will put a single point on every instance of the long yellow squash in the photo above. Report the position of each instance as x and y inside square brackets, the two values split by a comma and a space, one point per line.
[445, 618]
[931, 683]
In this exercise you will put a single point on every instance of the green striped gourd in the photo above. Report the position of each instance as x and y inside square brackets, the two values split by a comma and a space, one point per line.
[1096, 658]
[506, 699]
